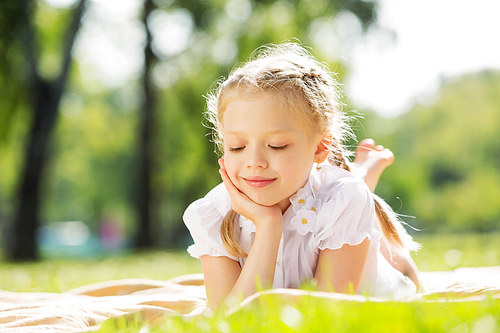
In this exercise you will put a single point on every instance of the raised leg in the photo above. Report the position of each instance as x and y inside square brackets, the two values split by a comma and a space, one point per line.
[372, 160]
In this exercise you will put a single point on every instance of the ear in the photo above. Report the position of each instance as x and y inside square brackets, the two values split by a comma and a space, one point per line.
[323, 148]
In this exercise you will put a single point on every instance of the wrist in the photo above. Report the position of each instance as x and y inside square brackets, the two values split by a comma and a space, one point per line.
[270, 228]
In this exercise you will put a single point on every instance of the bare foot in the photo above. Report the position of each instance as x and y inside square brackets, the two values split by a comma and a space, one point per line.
[372, 160]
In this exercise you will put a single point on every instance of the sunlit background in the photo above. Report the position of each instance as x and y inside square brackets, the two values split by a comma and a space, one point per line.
[425, 75]
[421, 42]
[398, 62]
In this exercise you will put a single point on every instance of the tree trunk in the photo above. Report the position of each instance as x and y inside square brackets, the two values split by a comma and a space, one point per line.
[144, 236]
[27, 217]
[45, 98]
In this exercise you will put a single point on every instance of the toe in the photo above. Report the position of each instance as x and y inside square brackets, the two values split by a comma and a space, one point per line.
[366, 143]
[387, 157]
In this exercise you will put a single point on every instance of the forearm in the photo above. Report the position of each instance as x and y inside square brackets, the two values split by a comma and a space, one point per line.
[341, 270]
[260, 264]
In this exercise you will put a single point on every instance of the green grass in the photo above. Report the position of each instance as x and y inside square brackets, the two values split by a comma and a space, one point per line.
[271, 314]
[311, 315]
[444, 252]
[60, 275]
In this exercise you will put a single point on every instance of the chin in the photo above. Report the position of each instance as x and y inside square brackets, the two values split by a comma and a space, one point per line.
[263, 201]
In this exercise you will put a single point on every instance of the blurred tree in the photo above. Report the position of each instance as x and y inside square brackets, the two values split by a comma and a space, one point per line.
[43, 96]
[10, 77]
[190, 45]
[447, 168]
[144, 235]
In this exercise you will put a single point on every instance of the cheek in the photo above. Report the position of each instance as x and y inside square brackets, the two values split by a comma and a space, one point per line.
[298, 165]
[230, 164]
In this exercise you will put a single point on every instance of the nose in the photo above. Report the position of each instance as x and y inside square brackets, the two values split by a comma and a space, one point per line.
[257, 158]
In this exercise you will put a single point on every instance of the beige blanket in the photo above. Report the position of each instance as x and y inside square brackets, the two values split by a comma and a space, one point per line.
[85, 309]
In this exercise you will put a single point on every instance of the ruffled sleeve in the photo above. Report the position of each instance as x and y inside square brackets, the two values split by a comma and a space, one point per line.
[204, 218]
[347, 216]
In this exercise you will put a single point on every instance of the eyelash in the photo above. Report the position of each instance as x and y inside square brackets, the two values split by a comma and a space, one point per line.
[237, 149]
[279, 148]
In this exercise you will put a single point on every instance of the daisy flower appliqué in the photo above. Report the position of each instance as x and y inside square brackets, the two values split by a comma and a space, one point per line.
[312, 204]
[299, 199]
[304, 221]
[305, 205]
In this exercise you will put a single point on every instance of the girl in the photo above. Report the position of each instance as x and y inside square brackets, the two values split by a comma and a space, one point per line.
[290, 209]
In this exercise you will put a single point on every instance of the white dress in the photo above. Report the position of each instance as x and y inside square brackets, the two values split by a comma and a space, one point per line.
[333, 208]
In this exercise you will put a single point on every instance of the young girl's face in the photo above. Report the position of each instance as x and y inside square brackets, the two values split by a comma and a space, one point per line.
[268, 153]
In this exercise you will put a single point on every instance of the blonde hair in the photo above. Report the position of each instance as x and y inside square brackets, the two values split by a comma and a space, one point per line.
[307, 88]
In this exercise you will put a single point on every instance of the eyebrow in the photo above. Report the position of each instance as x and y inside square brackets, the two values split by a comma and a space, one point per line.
[268, 132]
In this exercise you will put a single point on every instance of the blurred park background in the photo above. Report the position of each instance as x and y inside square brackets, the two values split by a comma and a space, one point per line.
[102, 143]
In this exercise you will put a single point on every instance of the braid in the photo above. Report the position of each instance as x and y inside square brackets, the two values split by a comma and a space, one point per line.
[337, 156]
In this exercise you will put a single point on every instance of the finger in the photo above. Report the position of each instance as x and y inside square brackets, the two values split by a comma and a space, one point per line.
[228, 183]
[238, 199]
[225, 178]
[224, 175]
[221, 162]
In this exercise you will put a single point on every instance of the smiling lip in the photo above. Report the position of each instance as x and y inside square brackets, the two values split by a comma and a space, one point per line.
[259, 181]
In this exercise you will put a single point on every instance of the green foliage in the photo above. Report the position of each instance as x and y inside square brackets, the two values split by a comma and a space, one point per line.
[447, 169]
[49, 23]
[12, 68]
[447, 160]
[92, 171]
[92, 162]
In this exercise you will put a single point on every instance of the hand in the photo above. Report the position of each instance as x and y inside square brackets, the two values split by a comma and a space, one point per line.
[243, 205]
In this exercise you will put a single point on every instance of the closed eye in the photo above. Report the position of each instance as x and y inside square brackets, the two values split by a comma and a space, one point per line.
[236, 149]
[278, 147]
